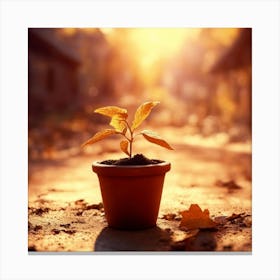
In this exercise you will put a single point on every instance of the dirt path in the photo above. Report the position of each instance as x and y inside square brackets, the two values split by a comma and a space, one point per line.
[66, 213]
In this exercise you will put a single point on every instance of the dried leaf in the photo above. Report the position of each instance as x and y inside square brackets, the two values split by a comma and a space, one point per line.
[124, 146]
[118, 123]
[156, 139]
[234, 216]
[98, 206]
[80, 202]
[222, 220]
[169, 216]
[99, 136]
[228, 184]
[111, 111]
[194, 218]
[142, 113]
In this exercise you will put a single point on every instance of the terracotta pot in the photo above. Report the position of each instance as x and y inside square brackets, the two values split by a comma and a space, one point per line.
[131, 194]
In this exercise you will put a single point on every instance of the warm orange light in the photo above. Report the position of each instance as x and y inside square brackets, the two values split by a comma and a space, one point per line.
[154, 44]
[150, 47]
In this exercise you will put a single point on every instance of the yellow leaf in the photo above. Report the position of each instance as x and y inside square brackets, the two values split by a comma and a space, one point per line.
[194, 218]
[124, 146]
[118, 123]
[99, 136]
[111, 111]
[142, 113]
[156, 139]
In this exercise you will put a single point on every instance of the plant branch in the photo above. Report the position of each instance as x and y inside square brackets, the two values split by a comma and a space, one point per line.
[125, 137]
[130, 140]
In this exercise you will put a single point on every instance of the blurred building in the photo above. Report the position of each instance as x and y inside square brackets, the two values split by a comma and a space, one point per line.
[238, 56]
[212, 75]
[53, 80]
[235, 67]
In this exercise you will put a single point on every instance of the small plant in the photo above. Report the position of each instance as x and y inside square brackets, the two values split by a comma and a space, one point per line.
[121, 126]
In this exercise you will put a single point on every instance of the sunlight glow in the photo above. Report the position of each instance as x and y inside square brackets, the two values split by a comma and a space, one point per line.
[153, 44]
[150, 55]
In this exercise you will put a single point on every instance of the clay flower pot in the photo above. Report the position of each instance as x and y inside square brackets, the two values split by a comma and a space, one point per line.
[131, 194]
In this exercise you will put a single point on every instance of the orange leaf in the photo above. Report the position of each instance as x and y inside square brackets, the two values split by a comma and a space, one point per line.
[111, 111]
[156, 139]
[99, 136]
[194, 218]
[124, 146]
[142, 113]
[118, 122]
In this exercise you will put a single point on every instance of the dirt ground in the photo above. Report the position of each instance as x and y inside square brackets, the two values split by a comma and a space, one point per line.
[66, 212]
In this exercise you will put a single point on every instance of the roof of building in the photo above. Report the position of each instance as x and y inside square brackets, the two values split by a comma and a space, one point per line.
[46, 36]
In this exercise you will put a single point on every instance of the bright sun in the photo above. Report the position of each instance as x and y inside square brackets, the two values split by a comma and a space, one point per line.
[152, 44]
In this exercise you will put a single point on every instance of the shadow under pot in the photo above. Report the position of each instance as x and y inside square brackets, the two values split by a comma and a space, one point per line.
[131, 194]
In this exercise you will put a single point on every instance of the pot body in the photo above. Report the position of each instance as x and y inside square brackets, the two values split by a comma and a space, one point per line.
[131, 194]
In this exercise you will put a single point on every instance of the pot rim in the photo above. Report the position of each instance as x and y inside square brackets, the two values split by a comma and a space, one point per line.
[130, 170]
[98, 164]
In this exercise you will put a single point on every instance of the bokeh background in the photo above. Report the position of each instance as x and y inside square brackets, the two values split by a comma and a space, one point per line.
[201, 76]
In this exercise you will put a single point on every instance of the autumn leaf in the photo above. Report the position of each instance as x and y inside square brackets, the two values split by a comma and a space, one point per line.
[99, 136]
[111, 111]
[124, 146]
[142, 113]
[156, 139]
[194, 218]
[118, 122]
[121, 126]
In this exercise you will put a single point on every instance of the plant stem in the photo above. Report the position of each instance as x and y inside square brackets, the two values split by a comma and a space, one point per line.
[130, 148]
[130, 139]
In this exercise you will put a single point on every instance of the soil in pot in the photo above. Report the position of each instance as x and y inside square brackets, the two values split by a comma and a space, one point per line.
[138, 159]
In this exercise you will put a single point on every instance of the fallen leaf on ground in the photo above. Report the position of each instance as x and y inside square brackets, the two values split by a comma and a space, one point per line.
[235, 216]
[230, 185]
[34, 228]
[242, 219]
[98, 206]
[80, 202]
[194, 218]
[39, 211]
[169, 216]
[65, 225]
[248, 221]
[55, 231]
[69, 231]
[221, 220]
